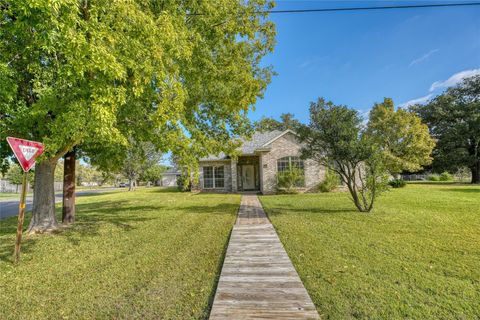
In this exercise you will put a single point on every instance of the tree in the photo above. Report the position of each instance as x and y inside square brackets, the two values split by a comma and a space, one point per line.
[183, 75]
[287, 121]
[336, 139]
[405, 141]
[153, 173]
[454, 121]
[68, 205]
[14, 175]
[141, 156]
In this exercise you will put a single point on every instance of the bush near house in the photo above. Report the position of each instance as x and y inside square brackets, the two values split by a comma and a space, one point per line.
[331, 181]
[289, 180]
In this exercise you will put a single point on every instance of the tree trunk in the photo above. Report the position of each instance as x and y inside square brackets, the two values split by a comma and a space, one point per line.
[476, 172]
[43, 213]
[68, 210]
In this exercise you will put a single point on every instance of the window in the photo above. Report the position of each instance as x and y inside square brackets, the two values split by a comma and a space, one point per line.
[286, 163]
[213, 177]
[286, 176]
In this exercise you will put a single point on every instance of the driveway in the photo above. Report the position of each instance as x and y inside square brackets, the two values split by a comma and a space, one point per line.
[9, 207]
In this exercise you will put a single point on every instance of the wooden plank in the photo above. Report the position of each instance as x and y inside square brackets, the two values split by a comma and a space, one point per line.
[258, 280]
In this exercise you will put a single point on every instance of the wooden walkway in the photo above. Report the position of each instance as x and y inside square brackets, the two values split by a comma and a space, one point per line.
[258, 280]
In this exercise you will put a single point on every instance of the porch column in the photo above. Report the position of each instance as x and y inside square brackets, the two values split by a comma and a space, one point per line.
[233, 170]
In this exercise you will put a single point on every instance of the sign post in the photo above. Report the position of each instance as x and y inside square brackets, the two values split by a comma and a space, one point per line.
[26, 152]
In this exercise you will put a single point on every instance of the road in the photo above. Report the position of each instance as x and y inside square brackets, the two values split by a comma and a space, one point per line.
[9, 207]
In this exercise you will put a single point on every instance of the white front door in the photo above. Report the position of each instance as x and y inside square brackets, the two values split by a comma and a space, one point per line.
[248, 177]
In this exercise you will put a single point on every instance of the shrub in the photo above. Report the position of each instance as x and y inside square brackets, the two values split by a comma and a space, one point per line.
[397, 183]
[433, 177]
[446, 176]
[289, 180]
[184, 183]
[331, 181]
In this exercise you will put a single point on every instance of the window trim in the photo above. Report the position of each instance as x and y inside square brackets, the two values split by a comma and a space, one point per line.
[291, 160]
[214, 178]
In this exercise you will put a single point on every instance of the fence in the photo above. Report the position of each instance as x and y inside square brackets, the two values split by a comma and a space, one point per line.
[6, 186]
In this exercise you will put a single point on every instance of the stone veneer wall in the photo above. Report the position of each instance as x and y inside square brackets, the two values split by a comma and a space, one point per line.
[284, 147]
[227, 172]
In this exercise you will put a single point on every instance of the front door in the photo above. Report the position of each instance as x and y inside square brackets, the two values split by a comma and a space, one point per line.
[248, 177]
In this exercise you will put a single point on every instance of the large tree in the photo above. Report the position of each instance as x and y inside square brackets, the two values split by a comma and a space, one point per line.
[92, 73]
[287, 121]
[404, 140]
[454, 121]
[336, 139]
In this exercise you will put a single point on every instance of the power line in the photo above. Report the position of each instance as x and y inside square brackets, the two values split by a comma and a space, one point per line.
[375, 8]
[363, 8]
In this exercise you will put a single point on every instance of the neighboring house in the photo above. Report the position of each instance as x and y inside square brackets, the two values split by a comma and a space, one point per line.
[261, 158]
[169, 177]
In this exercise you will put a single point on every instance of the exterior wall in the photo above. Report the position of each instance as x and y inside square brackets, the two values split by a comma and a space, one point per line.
[283, 147]
[227, 173]
[233, 174]
[169, 180]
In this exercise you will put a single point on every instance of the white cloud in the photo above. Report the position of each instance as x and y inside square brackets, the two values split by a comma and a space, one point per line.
[422, 58]
[420, 100]
[455, 79]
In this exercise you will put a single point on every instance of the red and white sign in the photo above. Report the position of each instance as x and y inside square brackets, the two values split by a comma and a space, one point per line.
[26, 151]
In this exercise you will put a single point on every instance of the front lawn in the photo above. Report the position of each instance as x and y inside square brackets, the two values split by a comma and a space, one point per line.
[417, 256]
[147, 254]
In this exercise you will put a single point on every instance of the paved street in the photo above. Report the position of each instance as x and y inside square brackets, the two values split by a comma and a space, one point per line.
[9, 207]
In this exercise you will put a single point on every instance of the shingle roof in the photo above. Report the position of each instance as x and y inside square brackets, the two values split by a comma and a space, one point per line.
[258, 140]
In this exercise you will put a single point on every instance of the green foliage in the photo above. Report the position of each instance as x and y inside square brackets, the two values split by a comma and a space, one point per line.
[446, 176]
[14, 174]
[391, 259]
[330, 182]
[397, 183]
[291, 179]
[182, 75]
[433, 177]
[287, 121]
[153, 173]
[404, 139]
[336, 139]
[184, 182]
[454, 120]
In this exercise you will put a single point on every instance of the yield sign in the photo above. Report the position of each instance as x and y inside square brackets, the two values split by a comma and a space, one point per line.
[26, 151]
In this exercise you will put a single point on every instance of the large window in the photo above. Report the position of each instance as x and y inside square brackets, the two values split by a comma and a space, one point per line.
[290, 172]
[213, 177]
[286, 163]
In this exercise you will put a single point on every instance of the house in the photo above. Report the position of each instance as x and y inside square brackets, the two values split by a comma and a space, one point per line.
[170, 177]
[256, 168]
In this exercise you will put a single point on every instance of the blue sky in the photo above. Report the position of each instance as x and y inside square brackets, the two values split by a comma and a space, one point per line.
[357, 58]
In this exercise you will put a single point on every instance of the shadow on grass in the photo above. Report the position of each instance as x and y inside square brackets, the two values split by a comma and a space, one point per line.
[277, 211]
[439, 183]
[463, 190]
[92, 216]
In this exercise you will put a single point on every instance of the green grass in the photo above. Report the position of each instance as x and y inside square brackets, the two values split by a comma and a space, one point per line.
[147, 254]
[9, 195]
[417, 256]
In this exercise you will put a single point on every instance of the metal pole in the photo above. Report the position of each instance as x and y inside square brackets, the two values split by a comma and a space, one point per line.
[21, 217]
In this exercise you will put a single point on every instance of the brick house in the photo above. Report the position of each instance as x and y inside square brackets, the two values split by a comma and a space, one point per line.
[256, 168]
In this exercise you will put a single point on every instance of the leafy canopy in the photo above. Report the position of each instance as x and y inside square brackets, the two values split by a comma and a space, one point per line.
[336, 138]
[405, 141]
[454, 121]
[180, 74]
[287, 121]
